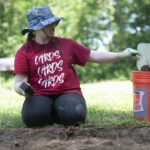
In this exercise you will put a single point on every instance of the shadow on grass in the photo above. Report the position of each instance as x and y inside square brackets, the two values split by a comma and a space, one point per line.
[95, 118]
[103, 117]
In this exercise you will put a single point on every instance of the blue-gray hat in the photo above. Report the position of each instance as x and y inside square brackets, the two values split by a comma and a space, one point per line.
[40, 17]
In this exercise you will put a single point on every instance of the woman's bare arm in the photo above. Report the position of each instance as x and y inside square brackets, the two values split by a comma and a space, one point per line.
[19, 79]
[108, 57]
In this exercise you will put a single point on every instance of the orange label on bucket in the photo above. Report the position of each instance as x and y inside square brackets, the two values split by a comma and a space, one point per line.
[138, 101]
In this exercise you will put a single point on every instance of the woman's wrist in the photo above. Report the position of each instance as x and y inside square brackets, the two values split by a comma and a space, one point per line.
[127, 53]
[18, 89]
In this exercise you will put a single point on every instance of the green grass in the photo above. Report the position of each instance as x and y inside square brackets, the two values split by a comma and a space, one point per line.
[109, 103]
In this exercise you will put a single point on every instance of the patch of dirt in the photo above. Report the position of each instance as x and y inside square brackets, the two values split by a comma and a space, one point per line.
[76, 139]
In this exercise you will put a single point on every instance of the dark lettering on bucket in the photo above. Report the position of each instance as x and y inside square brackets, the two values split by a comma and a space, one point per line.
[138, 101]
[140, 107]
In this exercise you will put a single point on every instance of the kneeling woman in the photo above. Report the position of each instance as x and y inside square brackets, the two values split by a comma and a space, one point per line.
[44, 72]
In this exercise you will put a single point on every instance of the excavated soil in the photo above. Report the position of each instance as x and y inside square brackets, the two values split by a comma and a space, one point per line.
[124, 138]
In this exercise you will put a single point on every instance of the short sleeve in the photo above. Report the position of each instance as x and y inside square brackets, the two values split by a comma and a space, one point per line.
[21, 62]
[80, 53]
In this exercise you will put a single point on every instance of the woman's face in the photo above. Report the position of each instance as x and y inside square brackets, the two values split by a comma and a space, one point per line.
[47, 31]
[50, 29]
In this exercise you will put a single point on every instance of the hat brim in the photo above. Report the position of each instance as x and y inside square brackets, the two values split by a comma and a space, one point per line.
[42, 24]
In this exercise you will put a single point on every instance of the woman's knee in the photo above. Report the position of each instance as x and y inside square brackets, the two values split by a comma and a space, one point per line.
[37, 111]
[71, 109]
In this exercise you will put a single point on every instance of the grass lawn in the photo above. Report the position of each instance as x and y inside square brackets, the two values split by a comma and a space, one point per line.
[109, 103]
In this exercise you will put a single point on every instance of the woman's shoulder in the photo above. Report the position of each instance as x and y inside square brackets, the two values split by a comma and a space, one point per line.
[24, 47]
[64, 39]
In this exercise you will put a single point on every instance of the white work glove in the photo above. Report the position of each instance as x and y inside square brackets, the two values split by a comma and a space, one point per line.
[128, 53]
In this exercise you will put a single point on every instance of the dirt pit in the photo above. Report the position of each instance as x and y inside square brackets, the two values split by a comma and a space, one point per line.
[124, 138]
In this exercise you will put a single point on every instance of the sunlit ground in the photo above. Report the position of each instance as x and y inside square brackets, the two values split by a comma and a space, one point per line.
[109, 103]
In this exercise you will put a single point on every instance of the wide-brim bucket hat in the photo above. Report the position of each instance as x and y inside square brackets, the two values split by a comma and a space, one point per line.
[40, 17]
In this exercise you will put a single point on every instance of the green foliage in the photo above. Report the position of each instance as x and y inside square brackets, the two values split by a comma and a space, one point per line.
[131, 23]
[93, 72]
[131, 27]
[81, 21]
[89, 22]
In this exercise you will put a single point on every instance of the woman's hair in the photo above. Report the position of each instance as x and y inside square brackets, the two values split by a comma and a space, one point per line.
[31, 36]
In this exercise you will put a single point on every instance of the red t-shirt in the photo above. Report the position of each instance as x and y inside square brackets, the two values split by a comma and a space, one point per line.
[48, 70]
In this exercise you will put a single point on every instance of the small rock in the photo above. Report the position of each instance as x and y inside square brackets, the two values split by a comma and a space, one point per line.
[70, 132]
[145, 68]
[107, 142]
[128, 142]
[16, 144]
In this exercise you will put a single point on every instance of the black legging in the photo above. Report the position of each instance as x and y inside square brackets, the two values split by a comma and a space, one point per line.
[66, 109]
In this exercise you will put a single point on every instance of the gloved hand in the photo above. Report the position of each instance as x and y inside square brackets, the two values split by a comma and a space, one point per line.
[26, 89]
[128, 53]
